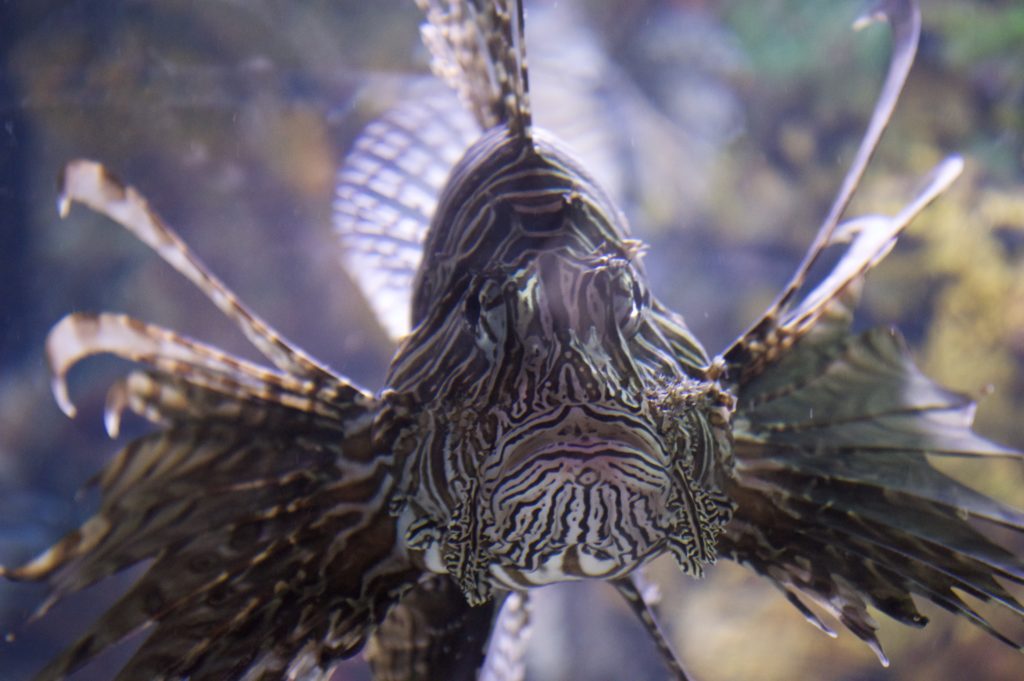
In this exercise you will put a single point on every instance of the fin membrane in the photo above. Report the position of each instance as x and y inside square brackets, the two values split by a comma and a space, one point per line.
[836, 498]
[388, 188]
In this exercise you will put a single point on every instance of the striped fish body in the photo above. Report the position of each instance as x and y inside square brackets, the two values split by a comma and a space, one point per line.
[545, 418]
[545, 423]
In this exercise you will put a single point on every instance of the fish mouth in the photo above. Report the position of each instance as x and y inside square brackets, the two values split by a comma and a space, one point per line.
[578, 432]
[574, 519]
[578, 501]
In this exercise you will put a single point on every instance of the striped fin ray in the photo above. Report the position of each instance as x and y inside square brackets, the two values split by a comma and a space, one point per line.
[780, 326]
[80, 335]
[836, 498]
[640, 604]
[91, 184]
[479, 50]
[510, 636]
[230, 579]
[137, 475]
[267, 528]
[388, 188]
[828, 308]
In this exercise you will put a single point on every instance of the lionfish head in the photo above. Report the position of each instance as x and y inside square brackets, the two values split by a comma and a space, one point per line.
[600, 463]
[562, 436]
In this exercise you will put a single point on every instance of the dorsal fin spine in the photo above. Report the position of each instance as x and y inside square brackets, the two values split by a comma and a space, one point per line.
[479, 50]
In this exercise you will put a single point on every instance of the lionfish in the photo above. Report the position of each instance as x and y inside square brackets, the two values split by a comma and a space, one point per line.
[545, 418]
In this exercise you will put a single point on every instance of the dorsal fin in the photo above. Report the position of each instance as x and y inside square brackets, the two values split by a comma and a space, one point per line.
[478, 48]
[387, 192]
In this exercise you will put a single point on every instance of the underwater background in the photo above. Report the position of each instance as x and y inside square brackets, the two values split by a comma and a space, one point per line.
[723, 127]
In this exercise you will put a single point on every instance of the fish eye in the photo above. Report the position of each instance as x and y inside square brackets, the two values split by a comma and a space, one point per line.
[629, 300]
